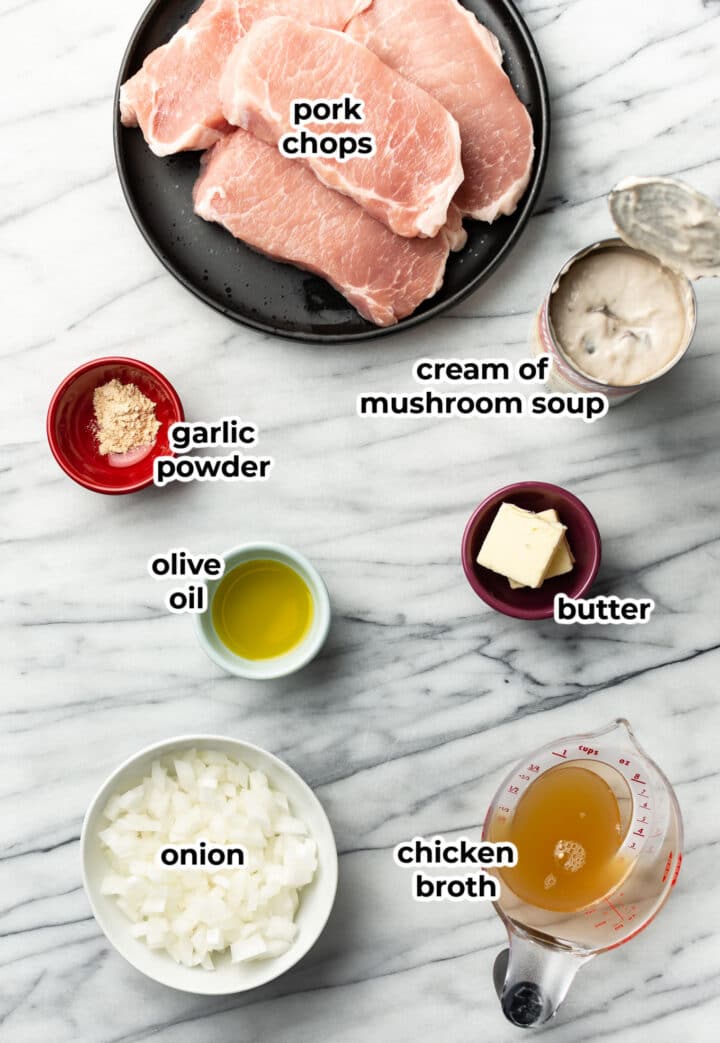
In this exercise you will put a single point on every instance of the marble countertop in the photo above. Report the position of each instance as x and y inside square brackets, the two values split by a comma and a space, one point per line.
[423, 697]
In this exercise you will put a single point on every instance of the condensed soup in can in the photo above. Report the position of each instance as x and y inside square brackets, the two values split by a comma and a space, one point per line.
[622, 312]
[614, 321]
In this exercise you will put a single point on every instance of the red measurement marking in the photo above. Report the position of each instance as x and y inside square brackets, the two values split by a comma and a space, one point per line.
[639, 832]
[563, 754]
[616, 911]
[636, 778]
[601, 923]
[677, 871]
[667, 867]
[534, 767]
[513, 789]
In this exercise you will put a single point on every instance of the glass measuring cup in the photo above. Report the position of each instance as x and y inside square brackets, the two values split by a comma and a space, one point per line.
[547, 948]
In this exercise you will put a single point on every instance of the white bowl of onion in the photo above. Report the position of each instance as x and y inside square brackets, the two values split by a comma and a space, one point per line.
[211, 931]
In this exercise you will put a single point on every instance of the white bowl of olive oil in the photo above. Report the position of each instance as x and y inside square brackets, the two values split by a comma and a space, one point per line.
[268, 615]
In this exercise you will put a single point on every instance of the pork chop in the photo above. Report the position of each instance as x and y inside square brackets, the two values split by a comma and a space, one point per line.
[278, 207]
[174, 97]
[459, 62]
[410, 180]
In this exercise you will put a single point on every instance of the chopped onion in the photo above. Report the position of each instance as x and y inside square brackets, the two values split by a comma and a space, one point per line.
[195, 913]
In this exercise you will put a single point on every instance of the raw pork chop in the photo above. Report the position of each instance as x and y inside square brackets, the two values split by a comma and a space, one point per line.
[174, 97]
[416, 170]
[454, 58]
[279, 207]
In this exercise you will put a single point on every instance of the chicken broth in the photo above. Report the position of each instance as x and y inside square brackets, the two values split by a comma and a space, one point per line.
[567, 828]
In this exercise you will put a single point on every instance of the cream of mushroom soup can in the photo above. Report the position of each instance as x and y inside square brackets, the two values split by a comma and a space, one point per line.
[566, 375]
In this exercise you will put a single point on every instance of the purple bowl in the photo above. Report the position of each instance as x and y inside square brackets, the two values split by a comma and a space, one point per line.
[582, 535]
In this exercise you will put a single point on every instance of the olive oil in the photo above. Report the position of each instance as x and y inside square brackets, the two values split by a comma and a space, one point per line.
[567, 829]
[262, 609]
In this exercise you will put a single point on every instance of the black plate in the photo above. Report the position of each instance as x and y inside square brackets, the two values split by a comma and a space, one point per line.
[278, 298]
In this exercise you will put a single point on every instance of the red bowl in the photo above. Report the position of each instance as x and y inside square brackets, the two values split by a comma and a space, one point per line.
[582, 535]
[71, 420]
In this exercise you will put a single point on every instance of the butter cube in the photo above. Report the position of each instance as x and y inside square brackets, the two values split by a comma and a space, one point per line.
[563, 560]
[520, 545]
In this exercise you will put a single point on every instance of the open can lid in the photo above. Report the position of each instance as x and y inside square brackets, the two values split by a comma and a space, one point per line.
[670, 220]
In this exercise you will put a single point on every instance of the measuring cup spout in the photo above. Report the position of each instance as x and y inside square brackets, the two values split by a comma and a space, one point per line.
[533, 979]
[623, 726]
[622, 733]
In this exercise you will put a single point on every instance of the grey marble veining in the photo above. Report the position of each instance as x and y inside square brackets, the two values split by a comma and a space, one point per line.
[422, 698]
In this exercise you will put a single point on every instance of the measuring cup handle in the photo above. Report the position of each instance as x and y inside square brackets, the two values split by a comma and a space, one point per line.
[532, 979]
